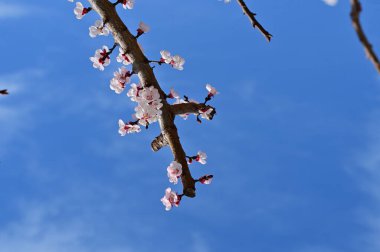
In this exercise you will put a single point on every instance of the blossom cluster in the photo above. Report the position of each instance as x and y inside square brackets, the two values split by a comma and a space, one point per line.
[149, 99]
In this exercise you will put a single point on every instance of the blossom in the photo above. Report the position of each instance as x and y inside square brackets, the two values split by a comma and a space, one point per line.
[134, 91]
[71, 0]
[206, 113]
[211, 90]
[170, 199]
[101, 58]
[128, 128]
[80, 11]
[174, 172]
[201, 157]
[98, 29]
[123, 57]
[165, 57]
[173, 94]
[146, 114]
[128, 4]
[121, 77]
[143, 28]
[176, 61]
[206, 179]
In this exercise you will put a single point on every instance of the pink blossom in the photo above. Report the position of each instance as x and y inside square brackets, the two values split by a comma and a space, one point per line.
[128, 128]
[174, 172]
[201, 157]
[98, 29]
[173, 94]
[128, 4]
[80, 11]
[211, 90]
[143, 28]
[206, 113]
[101, 58]
[170, 199]
[206, 179]
[123, 57]
[121, 77]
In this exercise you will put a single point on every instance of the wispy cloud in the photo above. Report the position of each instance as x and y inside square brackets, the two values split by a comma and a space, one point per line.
[11, 10]
[367, 173]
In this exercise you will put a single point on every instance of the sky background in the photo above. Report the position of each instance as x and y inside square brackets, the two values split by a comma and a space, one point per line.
[295, 146]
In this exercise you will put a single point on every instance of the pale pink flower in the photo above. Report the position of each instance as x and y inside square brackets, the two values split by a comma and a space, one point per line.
[134, 92]
[98, 29]
[173, 94]
[206, 113]
[201, 157]
[80, 11]
[170, 199]
[211, 90]
[128, 4]
[101, 58]
[128, 128]
[174, 172]
[206, 179]
[143, 28]
[123, 57]
[120, 79]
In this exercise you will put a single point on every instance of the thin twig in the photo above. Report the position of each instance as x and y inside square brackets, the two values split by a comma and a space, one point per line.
[253, 20]
[4, 92]
[356, 8]
[141, 67]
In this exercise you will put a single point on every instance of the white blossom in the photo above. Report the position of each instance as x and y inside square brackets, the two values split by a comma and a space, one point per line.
[134, 92]
[128, 128]
[206, 113]
[101, 58]
[123, 57]
[211, 90]
[174, 172]
[120, 79]
[206, 179]
[170, 199]
[128, 4]
[201, 157]
[80, 11]
[143, 28]
[98, 29]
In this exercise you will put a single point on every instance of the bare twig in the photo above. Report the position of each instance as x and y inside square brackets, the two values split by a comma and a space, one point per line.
[141, 67]
[253, 20]
[4, 92]
[356, 8]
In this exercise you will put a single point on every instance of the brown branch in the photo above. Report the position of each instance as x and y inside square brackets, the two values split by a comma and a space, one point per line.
[356, 8]
[141, 67]
[4, 92]
[188, 108]
[253, 20]
[158, 143]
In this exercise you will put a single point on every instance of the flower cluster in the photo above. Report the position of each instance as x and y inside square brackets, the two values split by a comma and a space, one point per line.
[150, 99]
[120, 79]
[176, 61]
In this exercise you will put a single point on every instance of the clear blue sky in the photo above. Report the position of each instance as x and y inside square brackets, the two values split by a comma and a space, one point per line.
[295, 146]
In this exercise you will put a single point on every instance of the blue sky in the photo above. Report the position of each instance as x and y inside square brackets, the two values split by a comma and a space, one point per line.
[294, 147]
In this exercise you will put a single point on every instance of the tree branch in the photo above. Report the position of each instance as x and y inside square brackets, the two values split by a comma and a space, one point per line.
[355, 17]
[253, 20]
[188, 108]
[158, 143]
[141, 67]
